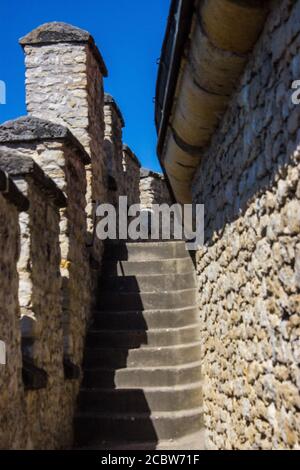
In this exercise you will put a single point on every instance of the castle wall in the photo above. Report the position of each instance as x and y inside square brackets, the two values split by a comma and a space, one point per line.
[40, 305]
[54, 270]
[67, 170]
[50, 257]
[131, 166]
[153, 189]
[113, 144]
[11, 399]
[249, 268]
[64, 84]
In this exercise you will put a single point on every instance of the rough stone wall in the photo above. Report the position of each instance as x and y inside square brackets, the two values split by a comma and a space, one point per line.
[63, 164]
[41, 315]
[61, 316]
[153, 189]
[11, 399]
[113, 145]
[249, 268]
[97, 172]
[75, 271]
[131, 166]
[64, 84]
[38, 267]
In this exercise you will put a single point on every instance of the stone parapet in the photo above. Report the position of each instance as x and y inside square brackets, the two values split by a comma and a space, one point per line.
[64, 84]
[153, 189]
[58, 32]
[114, 124]
[131, 165]
[12, 413]
[11, 193]
[40, 286]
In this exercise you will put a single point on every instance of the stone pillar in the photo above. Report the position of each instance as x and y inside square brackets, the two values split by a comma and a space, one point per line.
[40, 298]
[131, 166]
[11, 406]
[64, 83]
[62, 158]
[114, 124]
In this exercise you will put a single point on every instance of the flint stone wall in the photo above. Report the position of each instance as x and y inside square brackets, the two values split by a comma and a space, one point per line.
[249, 268]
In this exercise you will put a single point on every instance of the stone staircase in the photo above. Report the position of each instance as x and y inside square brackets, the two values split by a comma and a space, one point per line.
[142, 371]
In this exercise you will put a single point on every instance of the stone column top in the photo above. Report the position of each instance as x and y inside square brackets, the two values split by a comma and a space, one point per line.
[145, 173]
[58, 32]
[16, 165]
[110, 101]
[132, 155]
[31, 129]
[11, 193]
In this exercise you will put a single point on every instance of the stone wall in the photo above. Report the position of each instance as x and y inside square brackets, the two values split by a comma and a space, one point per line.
[249, 268]
[55, 280]
[11, 399]
[40, 301]
[131, 166]
[63, 159]
[153, 189]
[61, 173]
[64, 84]
[113, 144]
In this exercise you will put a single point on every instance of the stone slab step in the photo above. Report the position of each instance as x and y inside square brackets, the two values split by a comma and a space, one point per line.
[141, 400]
[142, 357]
[194, 441]
[134, 268]
[148, 283]
[148, 251]
[143, 377]
[115, 301]
[136, 338]
[139, 427]
[146, 320]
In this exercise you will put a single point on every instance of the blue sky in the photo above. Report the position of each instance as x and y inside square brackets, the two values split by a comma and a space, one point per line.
[129, 34]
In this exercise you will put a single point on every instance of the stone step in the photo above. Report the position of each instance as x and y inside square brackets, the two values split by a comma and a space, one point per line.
[141, 400]
[148, 283]
[142, 357]
[136, 338]
[143, 377]
[195, 441]
[139, 427]
[135, 268]
[146, 320]
[118, 301]
[146, 251]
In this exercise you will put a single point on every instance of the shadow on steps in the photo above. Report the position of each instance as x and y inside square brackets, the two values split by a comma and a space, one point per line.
[109, 417]
[141, 345]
